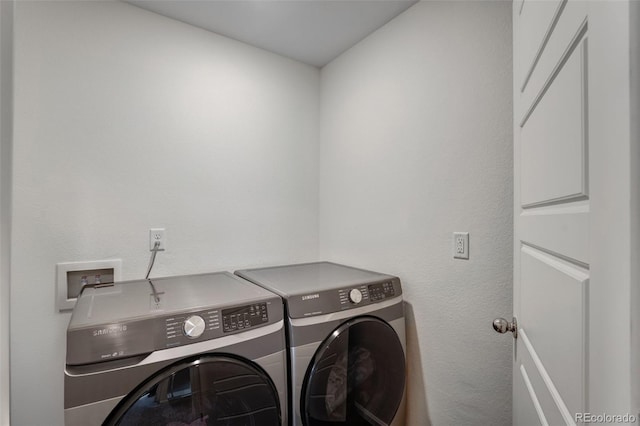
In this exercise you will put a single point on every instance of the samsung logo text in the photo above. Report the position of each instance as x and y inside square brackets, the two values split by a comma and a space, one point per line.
[110, 330]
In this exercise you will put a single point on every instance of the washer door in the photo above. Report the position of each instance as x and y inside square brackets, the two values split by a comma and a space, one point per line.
[357, 376]
[208, 390]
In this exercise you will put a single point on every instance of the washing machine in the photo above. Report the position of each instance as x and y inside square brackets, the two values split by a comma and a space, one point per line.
[191, 350]
[346, 339]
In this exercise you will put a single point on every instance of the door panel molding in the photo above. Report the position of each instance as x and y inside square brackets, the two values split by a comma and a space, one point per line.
[550, 15]
[545, 399]
[557, 398]
[553, 314]
[570, 30]
[554, 254]
[533, 396]
[553, 146]
[524, 410]
[561, 230]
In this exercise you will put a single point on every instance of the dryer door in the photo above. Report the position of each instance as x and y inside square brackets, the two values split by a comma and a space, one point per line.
[208, 390]
[357, 377]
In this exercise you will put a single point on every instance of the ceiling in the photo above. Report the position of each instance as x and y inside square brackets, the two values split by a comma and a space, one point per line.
[310, 31]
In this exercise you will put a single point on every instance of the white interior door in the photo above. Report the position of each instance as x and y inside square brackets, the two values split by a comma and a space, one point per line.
[560, 153]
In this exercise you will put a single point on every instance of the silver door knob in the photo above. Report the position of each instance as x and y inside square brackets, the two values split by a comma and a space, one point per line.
[501, 325]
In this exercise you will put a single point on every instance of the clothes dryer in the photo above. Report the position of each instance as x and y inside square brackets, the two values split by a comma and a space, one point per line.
[346, 334]
[192, 350]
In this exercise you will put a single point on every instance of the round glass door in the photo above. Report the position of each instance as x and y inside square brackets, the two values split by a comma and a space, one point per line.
[210, 390]
[357, 376]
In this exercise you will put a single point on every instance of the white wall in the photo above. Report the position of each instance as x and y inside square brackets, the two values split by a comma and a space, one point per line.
[126, 120]
[6, 117]
[416, 142]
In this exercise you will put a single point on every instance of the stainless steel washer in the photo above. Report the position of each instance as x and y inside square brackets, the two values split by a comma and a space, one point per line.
[196, 350]
[346, 334]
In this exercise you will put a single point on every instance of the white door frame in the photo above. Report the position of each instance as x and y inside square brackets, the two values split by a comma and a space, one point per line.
[6, 142]
[635, 203]
[614, 218]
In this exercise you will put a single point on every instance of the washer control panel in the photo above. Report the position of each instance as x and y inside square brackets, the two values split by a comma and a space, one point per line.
[136, 336]
[182, 329]
[381, 291]
[244, 317]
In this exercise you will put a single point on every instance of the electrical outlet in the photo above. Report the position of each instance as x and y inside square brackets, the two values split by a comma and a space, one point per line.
[461, 245]
[157, 234]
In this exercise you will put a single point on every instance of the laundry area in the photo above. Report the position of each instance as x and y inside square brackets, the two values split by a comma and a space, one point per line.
[318, 212]
[212, 349]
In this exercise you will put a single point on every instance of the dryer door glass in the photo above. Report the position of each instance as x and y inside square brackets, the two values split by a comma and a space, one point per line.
[210, 390]
[357, 377]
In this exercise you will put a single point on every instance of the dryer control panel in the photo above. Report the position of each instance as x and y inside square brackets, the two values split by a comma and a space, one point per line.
[344, 298]
[381, 291]
[244, 317]
[366, 293]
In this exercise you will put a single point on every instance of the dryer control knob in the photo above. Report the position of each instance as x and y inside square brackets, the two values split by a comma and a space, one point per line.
[193, 326]
[355, 296]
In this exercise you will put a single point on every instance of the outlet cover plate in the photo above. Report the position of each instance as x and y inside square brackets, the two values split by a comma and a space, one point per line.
[461, 245]
[157, 234]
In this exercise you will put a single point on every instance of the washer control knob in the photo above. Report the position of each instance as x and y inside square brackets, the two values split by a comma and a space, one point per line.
[193, 326]
[355, 296]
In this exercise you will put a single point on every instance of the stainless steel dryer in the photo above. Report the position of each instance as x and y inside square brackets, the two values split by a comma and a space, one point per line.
[192, 350]
[346, 343]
